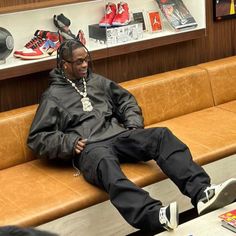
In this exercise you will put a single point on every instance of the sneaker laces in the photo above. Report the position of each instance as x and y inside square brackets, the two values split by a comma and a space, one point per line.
[121, 9]
[32, 42]
[108, 10]
[38, 43]
[162, 215]
[208, 192]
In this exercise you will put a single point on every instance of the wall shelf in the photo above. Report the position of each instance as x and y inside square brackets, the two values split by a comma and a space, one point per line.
[20, 5]
[78, 13]
[50, 62]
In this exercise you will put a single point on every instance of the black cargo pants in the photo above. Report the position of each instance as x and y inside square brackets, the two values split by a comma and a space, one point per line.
[100, 165]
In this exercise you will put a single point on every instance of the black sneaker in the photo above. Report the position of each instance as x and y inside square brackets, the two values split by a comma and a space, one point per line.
[169, 216]
[217, 196]
[63, 24]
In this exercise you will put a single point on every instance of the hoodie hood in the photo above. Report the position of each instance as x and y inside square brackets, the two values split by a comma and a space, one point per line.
[56, 77]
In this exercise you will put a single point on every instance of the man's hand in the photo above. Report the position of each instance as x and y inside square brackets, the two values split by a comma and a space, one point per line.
[80, 145]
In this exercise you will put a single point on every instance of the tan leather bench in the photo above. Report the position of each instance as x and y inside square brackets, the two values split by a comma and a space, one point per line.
[197, 103]
[223, 82]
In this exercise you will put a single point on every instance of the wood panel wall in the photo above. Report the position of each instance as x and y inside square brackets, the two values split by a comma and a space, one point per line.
[219, 42]
[18, 5]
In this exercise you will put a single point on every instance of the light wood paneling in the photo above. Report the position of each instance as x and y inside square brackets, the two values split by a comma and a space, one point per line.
[22, 5]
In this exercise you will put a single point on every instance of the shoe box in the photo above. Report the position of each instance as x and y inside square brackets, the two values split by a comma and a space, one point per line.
[116, 34]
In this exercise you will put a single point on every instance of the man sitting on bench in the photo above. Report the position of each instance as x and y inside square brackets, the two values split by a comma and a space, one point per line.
[97, 124]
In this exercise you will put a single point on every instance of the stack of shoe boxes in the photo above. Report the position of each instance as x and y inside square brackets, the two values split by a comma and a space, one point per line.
[118, 34]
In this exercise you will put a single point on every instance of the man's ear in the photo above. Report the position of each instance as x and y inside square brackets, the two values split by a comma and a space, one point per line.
[65, 65]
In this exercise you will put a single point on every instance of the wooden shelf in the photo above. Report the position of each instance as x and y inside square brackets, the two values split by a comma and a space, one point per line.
[16, 67]
[149, 43]
[15, 6]
[43, 65]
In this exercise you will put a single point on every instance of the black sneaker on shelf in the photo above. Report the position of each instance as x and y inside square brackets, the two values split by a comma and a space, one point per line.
[217, 196]
[169, 216]
[63, 24]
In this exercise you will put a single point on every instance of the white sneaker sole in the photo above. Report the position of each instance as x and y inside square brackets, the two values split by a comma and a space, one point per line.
[27, 57]
[225, 195]
[120, 23]
[174, 216]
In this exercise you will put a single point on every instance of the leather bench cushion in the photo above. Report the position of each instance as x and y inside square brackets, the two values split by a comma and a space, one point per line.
[14, 128]
[36, 192]
[210, 133]
[222, 74]
[171, 94]
[229, 106]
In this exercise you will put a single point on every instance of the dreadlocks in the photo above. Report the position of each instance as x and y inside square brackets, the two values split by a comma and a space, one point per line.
[65, 51]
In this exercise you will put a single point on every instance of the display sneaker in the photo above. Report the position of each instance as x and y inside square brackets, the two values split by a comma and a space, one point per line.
[66, 35]
[81, 37]
[217, 196]
[63, 24]
[44, 47]
[38, 35]
[110, 13]
[122, 17]
[61, 21]
[169, 216]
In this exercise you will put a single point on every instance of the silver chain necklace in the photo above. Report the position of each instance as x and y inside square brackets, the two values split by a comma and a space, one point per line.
[87, 106]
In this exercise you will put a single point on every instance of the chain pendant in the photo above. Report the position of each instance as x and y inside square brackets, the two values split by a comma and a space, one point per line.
[87, 106]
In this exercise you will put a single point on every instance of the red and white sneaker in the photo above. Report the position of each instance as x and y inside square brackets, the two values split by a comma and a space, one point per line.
[122, 17]
[110, 13]
[43, 47]
[38, 35]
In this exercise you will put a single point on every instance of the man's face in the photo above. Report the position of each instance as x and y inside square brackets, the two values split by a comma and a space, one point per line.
[78, 68]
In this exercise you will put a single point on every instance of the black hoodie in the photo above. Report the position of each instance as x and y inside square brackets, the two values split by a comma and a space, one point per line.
[60, 120]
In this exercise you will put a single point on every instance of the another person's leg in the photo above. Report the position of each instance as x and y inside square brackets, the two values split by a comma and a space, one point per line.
[14, 230]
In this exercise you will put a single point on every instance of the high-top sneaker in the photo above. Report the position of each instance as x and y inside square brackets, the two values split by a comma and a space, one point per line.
[110, 12]
[122, 17]
[63, 24]
[81, 37]
[38, 35]
[169, 216]
[43, 47]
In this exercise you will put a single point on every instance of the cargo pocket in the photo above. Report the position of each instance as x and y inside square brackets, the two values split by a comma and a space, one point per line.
[89, 161]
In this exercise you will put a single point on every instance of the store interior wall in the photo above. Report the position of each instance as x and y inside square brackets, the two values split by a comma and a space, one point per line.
[219, 42]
